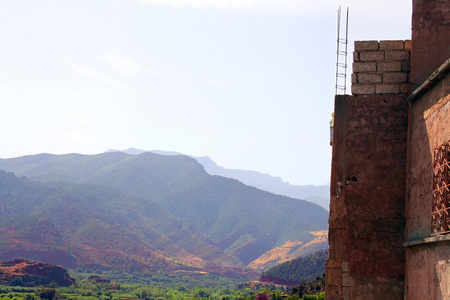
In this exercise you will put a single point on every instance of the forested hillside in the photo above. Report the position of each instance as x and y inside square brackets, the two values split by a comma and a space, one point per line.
[296, 271]
[92, 226]
[242, 220]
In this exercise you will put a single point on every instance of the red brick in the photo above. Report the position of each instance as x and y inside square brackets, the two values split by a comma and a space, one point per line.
[408, 45]
[364, 67]
[363, 89]
[354, 78]
[395, 77]
[397, 55]
[391, 66]
[387, 88]
[369, 78]
[405, 88]
[355, 56]
[371, 55]
[366, 45]
[406, 66]
[392, 45]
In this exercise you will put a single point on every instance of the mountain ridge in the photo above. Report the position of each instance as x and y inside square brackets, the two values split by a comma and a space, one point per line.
[312, 193]
[138, 199]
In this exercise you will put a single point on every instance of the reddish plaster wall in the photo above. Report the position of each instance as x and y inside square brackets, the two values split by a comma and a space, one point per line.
[367, 198]
[428, 272]
[427, 265]
[429, 127]
[430, 37]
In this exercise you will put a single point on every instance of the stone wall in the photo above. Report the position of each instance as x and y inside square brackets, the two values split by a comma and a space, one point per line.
[427, 258]
[381, 67]
[380, 242]
[381, 199]
[366, 224]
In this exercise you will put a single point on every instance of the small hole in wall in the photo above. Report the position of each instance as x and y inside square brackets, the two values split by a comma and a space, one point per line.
[385, 101]
[351, 179]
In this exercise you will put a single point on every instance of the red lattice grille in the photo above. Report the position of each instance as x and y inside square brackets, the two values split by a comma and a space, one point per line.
[440, 212]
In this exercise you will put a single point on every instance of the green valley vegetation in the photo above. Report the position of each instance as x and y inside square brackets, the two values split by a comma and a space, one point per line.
[98, 284]
[157, 286]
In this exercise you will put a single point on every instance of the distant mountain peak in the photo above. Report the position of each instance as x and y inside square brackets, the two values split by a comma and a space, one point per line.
[131, 151]
[315, 194]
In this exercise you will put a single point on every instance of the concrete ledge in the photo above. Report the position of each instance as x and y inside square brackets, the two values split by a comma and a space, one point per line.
[432, 80]
[430, 240]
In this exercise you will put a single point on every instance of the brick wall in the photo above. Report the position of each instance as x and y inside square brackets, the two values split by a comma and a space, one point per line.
[367, 188]
[381, 67]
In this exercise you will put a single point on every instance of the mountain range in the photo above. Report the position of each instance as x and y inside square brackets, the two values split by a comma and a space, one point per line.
[319, 194]
[146, 212]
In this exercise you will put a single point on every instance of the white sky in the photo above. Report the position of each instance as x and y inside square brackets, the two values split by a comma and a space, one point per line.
[249, 83]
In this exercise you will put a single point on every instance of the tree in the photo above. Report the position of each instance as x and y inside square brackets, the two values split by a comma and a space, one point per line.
[18, 281]
[48, 294]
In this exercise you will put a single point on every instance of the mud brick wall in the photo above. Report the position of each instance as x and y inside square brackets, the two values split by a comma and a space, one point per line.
[429, 127]
[366, 258]
[381, 67]
[427, 258]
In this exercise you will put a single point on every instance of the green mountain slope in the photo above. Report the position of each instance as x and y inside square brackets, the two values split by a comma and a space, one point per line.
[94, 226]
[296, 271]
[148, 175]
[244, 221]
[162, 203]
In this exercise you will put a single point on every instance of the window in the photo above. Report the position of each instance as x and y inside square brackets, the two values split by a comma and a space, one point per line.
[440, 214]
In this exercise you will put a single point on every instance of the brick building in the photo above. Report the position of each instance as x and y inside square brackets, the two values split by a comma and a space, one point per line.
[389, 227]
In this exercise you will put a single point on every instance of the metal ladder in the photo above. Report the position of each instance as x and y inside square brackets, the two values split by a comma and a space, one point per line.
[341, 62]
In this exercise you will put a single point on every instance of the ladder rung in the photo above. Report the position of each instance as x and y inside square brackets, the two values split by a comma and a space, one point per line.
[341, 67]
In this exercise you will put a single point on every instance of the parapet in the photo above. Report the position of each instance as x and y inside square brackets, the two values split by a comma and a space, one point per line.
[381, 67]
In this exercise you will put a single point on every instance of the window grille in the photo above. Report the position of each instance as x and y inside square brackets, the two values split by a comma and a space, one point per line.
[440, 214]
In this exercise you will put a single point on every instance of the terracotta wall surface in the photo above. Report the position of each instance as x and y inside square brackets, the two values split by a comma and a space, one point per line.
[430, 37]
[429, 127]
[367, 198]
[427, 261]
[428, 272]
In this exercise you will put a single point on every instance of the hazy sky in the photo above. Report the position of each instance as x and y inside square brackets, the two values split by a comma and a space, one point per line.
[249, 83]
